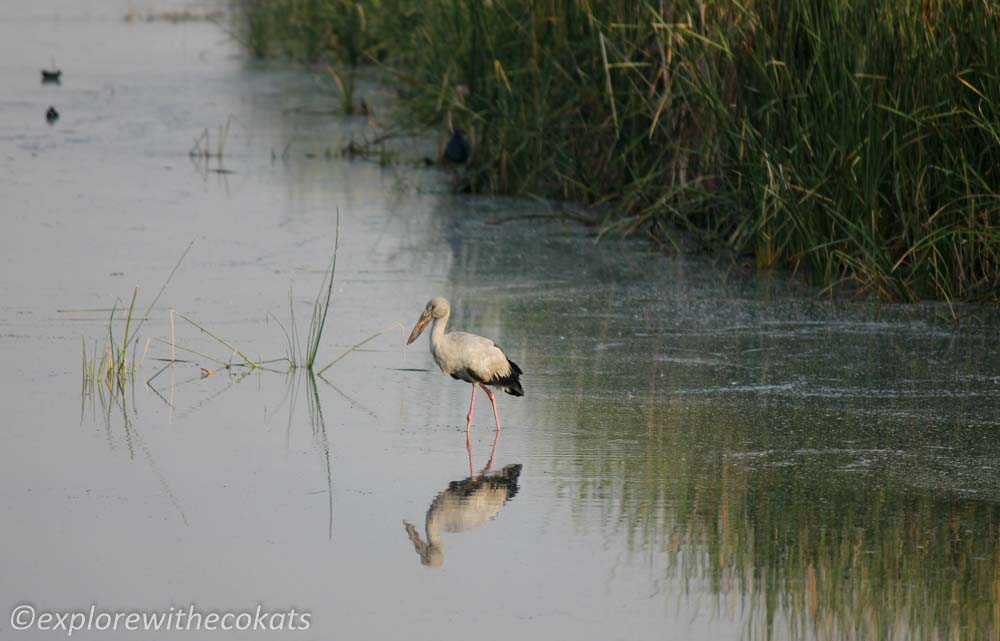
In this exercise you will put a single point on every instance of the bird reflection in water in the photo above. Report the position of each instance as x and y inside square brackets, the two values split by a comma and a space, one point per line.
[465, 504]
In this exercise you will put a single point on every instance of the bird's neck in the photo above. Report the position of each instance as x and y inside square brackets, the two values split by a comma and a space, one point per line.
[437, 331]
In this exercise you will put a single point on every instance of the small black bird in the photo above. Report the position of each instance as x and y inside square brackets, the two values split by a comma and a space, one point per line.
[52, 115]
[458, 148]
[53, 75]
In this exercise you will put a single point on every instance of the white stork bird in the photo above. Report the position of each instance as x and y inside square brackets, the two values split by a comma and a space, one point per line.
[468, 357]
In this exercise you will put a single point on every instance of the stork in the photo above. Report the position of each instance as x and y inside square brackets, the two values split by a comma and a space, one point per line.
[468, 357]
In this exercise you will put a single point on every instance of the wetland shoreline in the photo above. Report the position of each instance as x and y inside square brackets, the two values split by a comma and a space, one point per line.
[855, 145]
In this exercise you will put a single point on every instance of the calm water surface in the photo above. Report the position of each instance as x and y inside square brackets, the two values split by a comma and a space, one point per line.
[701, 453]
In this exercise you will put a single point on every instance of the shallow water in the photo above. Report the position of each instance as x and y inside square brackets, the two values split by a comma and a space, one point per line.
[704, 453]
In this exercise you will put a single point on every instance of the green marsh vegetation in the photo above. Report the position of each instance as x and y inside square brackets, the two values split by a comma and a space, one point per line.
[855, 143]
[109, 372]
[307, 30]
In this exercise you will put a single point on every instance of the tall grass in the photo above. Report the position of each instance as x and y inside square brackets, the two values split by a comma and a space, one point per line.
[854, 142]
[322, 305]
[109, 369]
[112, 367]
[309, 31]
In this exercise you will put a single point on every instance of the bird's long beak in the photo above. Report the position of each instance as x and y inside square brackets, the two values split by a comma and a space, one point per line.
[419, 327]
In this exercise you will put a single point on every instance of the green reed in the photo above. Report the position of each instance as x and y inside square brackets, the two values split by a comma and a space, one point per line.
[112, 366]
[856, 143]
[322, 305]
[309, 31]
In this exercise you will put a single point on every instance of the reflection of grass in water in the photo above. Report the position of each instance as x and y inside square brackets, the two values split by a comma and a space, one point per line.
[735, 501]
[319, 432]
[108, 374]
[107, 386]
[202, 148]
[794, 551]
[109, 405]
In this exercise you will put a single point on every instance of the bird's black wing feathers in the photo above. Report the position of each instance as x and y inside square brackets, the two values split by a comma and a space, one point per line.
[511, 382]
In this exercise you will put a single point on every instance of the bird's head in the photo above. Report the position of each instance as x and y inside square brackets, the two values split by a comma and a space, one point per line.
[430, 553]
[433, 557]
[436, 308]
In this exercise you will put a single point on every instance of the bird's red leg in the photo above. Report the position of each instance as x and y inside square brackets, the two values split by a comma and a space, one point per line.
[472, 405]
[493, 399]
[468, 446]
